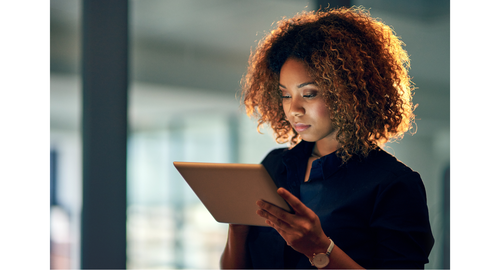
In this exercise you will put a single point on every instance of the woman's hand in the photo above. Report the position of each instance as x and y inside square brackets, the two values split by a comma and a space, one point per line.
[302, 230]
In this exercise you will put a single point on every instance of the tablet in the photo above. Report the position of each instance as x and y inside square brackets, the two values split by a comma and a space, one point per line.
[230, 191]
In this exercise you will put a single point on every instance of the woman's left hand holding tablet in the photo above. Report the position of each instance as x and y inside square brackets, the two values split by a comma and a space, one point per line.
[302, 230]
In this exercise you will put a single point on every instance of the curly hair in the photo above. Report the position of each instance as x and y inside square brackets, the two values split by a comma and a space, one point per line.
[358, 63]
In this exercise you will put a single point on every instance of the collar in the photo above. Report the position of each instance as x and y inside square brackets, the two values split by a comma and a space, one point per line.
[295, 161]
[300, 152]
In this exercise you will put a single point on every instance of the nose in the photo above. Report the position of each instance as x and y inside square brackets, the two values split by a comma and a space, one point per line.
[296, 107]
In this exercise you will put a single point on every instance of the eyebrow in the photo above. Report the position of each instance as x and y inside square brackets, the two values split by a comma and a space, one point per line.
[300, 85]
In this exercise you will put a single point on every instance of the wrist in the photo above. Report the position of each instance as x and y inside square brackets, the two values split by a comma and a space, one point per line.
[321, 247]
[322, 259]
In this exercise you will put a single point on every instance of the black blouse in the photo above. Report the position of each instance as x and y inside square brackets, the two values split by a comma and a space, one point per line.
[374, 209]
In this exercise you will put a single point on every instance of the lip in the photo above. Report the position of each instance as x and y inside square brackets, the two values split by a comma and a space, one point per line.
[301, 127]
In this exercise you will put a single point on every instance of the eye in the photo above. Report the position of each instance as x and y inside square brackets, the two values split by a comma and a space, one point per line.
[285, 95]
[310, 94]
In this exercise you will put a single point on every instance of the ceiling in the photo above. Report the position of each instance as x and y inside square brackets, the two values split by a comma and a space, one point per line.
[190, 55]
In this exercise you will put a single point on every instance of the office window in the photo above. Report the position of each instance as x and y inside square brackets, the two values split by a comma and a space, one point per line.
[168, 227]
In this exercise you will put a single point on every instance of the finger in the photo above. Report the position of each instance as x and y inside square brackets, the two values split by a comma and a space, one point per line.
[274, 221]
[282, 232]
[275, 210]
[295, 203]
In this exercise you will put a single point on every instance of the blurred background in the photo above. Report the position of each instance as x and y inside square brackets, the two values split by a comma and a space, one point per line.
[186, 59]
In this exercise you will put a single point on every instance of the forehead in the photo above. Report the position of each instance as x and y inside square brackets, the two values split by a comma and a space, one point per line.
[294, 71]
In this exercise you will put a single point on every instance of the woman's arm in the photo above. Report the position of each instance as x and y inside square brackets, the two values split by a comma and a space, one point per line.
[340, 260]
[302, 231]
[234, 255]
[400, 221]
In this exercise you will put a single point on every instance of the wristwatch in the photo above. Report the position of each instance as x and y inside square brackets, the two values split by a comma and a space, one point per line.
[322, 259]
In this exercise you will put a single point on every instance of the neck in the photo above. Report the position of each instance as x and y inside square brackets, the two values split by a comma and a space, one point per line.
[325, 147]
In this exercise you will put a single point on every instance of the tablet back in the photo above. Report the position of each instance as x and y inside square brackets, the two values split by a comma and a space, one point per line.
[230, 191]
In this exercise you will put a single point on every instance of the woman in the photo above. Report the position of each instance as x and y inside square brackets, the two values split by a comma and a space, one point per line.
[335, 86]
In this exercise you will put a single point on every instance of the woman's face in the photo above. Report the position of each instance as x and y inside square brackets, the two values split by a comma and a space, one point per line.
[303, 105]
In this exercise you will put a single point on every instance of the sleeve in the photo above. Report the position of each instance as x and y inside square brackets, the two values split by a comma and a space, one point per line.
[274, 165]
[401, 223]
[273, 159]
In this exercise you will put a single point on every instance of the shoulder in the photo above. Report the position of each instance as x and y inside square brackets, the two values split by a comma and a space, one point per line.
[274, 157]
[273, 162]
[381, 160]
[385, 168]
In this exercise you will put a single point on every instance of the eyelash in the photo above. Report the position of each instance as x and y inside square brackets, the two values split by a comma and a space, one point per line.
[310, 95]
[304, 96]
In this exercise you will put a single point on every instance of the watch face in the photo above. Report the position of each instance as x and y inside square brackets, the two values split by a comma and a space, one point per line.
[321, 260]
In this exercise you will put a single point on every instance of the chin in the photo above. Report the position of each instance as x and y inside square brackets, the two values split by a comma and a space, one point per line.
[309, 138]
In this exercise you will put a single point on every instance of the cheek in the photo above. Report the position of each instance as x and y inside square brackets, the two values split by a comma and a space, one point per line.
[322, 111]
[285, 110]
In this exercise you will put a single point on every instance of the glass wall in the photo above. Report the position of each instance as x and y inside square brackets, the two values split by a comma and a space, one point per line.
[168, 227]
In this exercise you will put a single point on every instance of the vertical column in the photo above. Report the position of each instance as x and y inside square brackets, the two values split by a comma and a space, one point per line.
[104, 127]
[234, 138]
[178, 203]
[446, 219]
[53, 178]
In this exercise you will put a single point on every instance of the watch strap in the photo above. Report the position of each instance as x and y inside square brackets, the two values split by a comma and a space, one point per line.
[330, 247]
